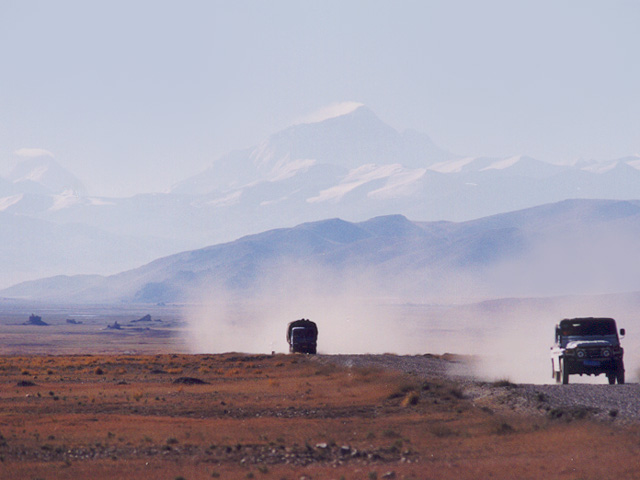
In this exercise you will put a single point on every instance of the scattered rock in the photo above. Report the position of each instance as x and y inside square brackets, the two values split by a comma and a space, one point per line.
[189, 381]
[25, 383]
[568, 414]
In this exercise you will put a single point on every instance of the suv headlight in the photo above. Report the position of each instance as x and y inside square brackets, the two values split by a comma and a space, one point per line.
[581, 354]
[606, 352]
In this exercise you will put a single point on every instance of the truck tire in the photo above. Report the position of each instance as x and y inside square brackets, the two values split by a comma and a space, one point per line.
[565, 374]
[620, 375]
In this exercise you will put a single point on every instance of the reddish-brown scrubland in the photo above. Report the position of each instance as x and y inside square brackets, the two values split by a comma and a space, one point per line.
[277, 417]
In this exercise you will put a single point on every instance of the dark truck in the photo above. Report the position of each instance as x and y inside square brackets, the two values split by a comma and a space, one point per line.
[587, 346]
[302, 336]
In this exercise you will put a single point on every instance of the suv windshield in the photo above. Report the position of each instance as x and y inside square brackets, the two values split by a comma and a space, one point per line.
[588, 328]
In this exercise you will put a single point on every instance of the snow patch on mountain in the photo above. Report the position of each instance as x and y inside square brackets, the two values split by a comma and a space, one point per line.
[401, 184]
[356, 178]
[35, 175]
[504, 163]
[453, 166]
[226, 201]
[604, 166]
[7, 202]
[33, 152]
[275, 201]
[331, 111]
[287, 168]
[600, 167]
[66, 199]
[100, 202]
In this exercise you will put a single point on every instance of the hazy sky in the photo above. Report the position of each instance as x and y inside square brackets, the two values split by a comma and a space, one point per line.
[133, 96]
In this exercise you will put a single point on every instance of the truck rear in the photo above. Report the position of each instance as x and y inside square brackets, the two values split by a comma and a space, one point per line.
[302, 336]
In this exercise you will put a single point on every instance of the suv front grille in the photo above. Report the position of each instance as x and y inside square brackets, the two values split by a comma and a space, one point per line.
[593, 352]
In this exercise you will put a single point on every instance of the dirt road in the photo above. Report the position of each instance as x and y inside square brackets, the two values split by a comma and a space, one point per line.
[619, 403]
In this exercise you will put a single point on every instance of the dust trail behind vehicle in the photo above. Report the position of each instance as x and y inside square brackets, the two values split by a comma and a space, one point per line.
[510, 339]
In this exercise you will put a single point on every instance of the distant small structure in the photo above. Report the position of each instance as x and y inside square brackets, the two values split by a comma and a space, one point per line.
[72, 321]
[146, 318]
[115, 326]
[36, 320]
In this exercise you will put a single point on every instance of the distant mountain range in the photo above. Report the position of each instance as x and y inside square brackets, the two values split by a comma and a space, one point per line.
[353, 166]
[570, 247]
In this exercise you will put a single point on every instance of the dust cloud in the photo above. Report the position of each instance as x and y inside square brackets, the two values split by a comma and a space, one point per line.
[509, 339]
[349, 311]
[516, 344]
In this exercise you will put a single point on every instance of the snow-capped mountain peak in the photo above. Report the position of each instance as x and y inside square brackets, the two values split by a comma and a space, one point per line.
[594, 166]
[331, 111]
[42, 174]
[343, 138]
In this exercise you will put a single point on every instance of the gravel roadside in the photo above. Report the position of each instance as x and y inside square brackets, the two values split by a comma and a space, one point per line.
[619, 403]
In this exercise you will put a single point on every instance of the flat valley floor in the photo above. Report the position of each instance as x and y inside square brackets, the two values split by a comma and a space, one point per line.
[141, 408]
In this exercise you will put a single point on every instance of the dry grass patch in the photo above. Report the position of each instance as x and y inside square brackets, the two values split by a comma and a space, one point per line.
[262, 416]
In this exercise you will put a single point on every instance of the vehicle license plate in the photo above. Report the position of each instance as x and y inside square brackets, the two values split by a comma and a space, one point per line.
[592, 363]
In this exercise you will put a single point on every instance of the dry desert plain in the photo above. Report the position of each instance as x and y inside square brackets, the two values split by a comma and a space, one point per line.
[139, 407]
